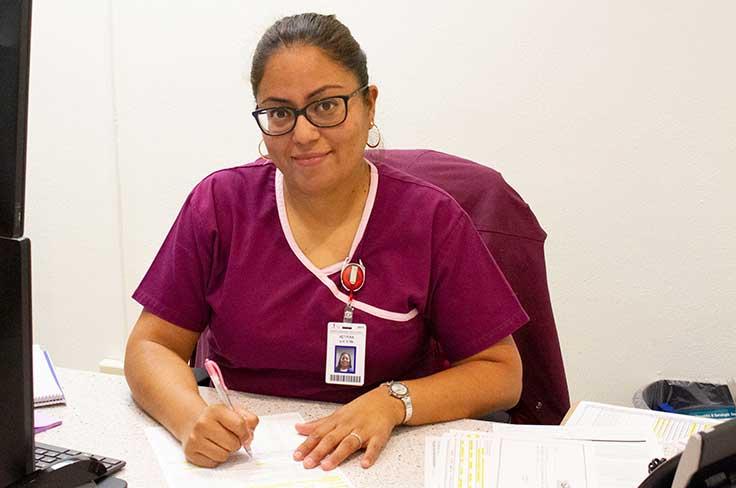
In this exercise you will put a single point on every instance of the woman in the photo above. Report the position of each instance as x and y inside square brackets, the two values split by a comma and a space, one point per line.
[344, 365]
[271, 255]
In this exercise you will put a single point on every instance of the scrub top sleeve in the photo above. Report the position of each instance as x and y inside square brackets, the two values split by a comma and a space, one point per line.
[175, 286]
[472, 304]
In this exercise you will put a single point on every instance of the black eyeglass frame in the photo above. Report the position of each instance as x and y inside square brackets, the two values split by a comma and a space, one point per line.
[303, 111]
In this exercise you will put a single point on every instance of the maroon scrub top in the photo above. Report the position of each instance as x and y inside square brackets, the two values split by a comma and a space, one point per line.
[432, 289]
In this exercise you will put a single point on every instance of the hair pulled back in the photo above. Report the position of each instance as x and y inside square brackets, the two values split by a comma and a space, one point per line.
[310, 29]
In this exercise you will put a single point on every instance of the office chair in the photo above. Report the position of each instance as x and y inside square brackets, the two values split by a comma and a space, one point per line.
[515, 239]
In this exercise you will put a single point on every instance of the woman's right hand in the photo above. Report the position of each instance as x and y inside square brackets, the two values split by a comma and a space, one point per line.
[216, 433]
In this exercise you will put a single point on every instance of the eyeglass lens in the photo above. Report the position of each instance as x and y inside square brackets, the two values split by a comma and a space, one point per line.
[322, 113]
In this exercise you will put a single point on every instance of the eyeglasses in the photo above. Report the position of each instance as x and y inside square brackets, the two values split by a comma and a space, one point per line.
[327, 112]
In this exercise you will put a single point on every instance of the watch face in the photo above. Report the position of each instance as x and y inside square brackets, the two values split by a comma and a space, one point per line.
[399, 389]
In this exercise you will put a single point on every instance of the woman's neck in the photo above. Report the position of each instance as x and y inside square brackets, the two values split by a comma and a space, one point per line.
[331, 208]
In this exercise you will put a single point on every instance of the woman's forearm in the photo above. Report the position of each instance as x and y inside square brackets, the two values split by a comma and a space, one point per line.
[163, 385]
[469, 389]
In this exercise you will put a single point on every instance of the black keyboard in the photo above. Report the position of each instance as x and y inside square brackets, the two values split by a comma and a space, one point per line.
[47, 454]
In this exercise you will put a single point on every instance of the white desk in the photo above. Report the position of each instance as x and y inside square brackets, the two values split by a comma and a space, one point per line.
[100, 417]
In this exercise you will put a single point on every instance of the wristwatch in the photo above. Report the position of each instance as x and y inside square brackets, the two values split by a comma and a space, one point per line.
[399, 390]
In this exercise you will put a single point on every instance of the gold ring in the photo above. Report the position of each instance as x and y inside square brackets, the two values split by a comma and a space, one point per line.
[360, 439]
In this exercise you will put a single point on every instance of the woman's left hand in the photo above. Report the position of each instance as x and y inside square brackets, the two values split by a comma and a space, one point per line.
[366, 422]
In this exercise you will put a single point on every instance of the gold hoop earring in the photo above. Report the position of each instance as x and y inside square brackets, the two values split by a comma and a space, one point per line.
[264, 156]
[378, 141]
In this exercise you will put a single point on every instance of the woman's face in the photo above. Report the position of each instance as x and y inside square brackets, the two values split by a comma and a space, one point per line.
[344, 361]
[315, 160]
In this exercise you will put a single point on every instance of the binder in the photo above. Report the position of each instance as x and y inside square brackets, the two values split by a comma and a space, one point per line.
[46, 387]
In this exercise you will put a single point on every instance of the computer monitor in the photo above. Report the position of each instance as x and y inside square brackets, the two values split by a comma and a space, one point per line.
[17, 443]
[16, 364]
[15, 27]
[16, 370]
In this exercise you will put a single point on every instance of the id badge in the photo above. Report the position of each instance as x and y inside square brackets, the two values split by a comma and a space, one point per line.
[345, 361]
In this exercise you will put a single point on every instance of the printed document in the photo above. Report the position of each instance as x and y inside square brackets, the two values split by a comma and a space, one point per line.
[672, 430]
[272, 465]
[538, 457]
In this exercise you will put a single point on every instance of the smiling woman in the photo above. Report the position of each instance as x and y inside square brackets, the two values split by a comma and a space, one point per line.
[315, 244]
[316, 158]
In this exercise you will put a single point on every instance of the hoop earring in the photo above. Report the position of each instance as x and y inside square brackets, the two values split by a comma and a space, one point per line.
[264, 156]
[378, 142]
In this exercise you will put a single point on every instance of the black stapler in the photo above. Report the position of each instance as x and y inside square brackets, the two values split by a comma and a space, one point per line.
[75, 471]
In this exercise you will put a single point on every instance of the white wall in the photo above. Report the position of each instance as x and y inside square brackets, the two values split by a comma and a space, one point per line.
[73, 216]
[615, 120]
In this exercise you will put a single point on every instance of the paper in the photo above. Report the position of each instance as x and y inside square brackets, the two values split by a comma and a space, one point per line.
[672, 430]
[538, 457]
[272, 465]
[46, 387]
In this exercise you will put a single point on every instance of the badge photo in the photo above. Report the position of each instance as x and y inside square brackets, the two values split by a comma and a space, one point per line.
[345, 359]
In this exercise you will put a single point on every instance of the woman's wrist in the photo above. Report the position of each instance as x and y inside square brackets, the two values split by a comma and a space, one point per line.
[186, 416]
[394, 407]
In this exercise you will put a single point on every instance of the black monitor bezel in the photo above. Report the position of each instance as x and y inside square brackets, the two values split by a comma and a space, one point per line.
[16, 363]
[13, 167]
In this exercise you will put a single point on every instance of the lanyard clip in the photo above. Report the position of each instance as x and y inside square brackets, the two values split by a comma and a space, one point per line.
[347, 316]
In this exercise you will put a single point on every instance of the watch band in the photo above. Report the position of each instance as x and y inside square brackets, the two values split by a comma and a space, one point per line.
[404, 397]
[408, 408]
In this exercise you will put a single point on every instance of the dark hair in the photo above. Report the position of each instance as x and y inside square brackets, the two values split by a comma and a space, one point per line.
[322, 31]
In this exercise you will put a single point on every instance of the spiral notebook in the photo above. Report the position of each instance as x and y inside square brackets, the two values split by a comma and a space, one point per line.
[46, 387]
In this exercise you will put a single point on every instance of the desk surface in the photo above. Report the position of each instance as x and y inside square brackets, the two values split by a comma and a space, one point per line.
[101, 417]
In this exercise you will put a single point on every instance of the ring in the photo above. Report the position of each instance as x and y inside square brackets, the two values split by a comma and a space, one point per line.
[360, 439]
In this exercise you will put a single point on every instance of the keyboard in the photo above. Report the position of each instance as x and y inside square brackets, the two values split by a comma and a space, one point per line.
[47, 454]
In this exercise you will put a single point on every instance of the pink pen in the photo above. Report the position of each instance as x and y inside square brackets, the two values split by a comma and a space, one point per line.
[216, 376]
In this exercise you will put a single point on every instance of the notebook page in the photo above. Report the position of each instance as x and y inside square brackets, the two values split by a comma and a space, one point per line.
[46, 388]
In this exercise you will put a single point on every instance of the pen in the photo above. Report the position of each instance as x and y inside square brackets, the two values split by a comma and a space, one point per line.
[216, 376]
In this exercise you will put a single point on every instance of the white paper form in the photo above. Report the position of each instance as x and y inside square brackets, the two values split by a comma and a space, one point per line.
[433, 468]
[672, 430]
[575, 456]
[272, 465]
[526, 463]
[538, 457]
[556, 463]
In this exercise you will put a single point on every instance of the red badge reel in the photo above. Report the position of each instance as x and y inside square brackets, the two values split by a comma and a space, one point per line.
[352, 278]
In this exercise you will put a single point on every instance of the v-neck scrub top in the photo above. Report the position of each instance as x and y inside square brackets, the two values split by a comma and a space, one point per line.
[432, 290]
